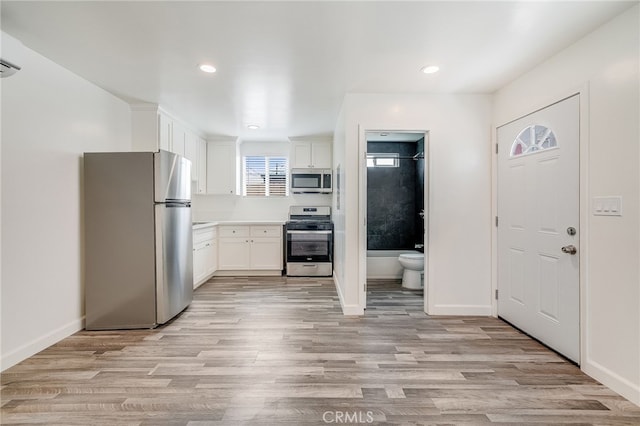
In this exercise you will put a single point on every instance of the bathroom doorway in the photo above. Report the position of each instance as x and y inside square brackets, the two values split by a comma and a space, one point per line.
[394, 212]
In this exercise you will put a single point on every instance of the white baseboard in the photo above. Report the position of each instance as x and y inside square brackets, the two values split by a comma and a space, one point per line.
[248, 273]
[352, 310]
[338, 289]
[462, 310]
[615, 382]
[31, 348]
[349, 310]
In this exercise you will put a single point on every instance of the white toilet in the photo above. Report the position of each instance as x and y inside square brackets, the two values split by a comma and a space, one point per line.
[413, 264]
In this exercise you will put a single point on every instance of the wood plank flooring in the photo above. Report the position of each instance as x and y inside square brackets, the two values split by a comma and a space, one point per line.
[278, 351]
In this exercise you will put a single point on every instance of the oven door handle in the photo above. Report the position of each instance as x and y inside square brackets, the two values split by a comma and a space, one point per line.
[311, 231]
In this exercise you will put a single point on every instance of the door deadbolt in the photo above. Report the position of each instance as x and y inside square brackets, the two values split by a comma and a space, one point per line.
[571, 230]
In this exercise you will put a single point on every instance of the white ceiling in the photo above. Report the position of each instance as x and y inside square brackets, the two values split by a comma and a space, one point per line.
[286, 66]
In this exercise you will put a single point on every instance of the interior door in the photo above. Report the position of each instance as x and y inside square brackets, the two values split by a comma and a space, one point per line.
[538, 229]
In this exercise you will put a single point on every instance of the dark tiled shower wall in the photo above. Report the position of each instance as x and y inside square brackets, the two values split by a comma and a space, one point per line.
[392, 199]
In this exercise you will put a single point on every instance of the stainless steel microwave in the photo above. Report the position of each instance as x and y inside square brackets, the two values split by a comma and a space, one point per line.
[311, 181]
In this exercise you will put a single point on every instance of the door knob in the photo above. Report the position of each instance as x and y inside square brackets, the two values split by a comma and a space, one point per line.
[571, 249]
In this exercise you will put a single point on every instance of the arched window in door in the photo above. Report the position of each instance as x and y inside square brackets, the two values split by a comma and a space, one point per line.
[532, 139]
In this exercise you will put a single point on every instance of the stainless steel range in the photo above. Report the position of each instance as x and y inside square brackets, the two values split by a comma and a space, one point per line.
[309, 247]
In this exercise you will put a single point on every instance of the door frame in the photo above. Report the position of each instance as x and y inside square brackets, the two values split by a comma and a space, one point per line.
[583, 195]
[362, 208]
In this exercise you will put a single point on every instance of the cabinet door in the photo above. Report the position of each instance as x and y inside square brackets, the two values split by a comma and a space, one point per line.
[221, 168]
[177, 139]
[311, 155]
[191, 153]
[321, 155]
[199, 263]
[266, 253]
[201, 186]
[164, 132]
[233, 253]
[301, 155]
[212, 257]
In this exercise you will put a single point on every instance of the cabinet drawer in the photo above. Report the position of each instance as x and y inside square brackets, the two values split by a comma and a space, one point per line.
[266, 231]
[234, 231]
[201, 245]
[204, 235]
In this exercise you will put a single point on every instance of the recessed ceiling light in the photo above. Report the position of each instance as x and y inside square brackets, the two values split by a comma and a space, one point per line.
[253, 127]
[430, 69]
[207, 68]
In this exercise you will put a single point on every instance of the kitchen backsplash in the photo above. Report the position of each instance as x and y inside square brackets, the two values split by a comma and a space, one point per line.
[230, 207]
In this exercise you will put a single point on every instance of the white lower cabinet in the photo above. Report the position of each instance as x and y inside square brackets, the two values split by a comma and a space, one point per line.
[211, 257]
[205, 254]
[251, 248]
[266, 253]
[234, 253]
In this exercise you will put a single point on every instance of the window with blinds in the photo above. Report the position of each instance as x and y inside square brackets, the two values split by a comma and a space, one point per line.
[265, 176]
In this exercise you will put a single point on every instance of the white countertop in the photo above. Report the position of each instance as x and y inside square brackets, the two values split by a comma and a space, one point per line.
[206, 224]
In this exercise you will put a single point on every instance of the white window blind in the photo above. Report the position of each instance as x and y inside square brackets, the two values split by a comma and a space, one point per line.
[265, 176]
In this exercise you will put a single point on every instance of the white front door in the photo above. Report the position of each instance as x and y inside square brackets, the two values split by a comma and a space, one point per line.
[538, 228]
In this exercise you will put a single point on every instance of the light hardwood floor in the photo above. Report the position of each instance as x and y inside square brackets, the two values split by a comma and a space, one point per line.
[278, 351]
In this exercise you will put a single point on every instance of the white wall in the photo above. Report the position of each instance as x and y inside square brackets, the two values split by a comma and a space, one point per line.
[237, 207]
[604, 66]
[459, 241]
[233, 207]
[50, 116]
[339, 208]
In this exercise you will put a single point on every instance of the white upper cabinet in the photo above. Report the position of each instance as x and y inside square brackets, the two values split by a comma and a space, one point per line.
[222, 168]
[153, 129]
[165, 131]
[191, 153]
[178, 138]
[315, 154]
[201, 185]
[150, 129]
[195, 149]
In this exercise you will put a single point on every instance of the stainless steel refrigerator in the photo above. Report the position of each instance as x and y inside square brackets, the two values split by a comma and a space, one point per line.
[138, 238]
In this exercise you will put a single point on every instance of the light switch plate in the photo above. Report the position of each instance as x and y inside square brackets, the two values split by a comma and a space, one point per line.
[607, 206]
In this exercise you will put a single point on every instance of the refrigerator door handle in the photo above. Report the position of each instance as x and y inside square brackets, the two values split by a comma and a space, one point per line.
[176, 204]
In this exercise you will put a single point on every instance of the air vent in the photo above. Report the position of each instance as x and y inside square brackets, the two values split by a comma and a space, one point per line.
[7, 69]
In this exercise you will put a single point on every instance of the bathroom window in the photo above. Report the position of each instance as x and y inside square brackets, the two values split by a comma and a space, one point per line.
[533, 139]
[265, 176]
[383, 159]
